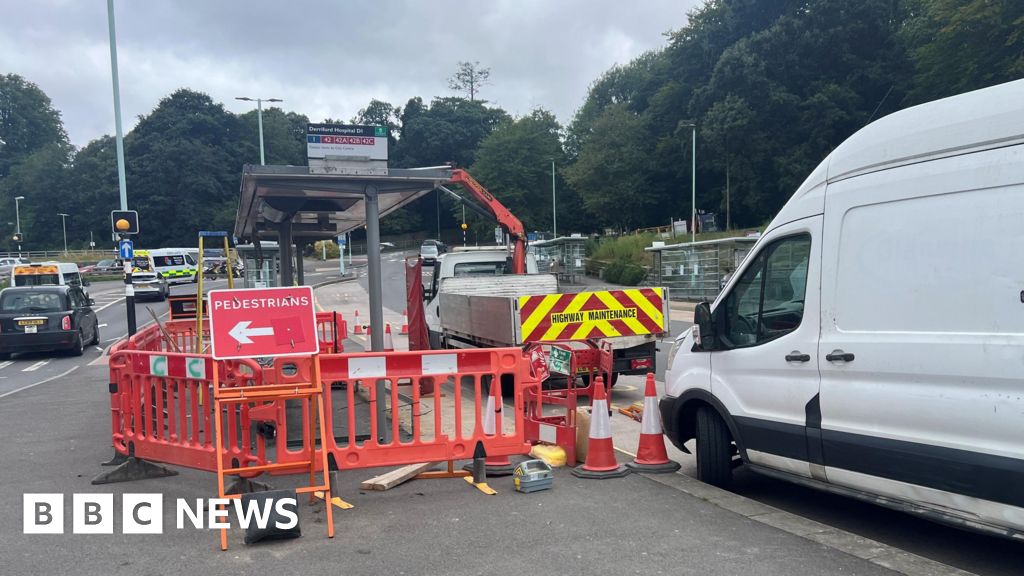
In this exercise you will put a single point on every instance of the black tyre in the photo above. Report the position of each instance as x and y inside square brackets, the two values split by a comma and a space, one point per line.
[96, 334]
[78, 348]
[714, 449]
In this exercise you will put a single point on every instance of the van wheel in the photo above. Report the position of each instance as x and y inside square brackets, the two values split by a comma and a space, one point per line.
[714, 449]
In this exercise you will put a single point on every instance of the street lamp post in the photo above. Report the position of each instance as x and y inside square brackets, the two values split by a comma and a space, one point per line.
[259, 116]
[17, 221]
[693, 185]
[64, 227]
[554, 206]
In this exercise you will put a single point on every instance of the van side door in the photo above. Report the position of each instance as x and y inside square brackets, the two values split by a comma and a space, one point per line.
[922, 390]
[767, 374]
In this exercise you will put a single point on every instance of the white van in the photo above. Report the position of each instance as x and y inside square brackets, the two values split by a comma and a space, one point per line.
[177, 265]
[872, 342]
[48, 274]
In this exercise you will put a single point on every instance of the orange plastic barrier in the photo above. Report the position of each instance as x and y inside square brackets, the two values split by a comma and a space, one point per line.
[331, 330]
[161, 409]
[162, 404]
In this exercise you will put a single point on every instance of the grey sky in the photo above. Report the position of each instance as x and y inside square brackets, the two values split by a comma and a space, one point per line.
[325, 59]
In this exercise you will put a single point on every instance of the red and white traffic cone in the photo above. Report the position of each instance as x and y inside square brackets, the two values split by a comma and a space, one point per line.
[495, 465]
[405, 322]
[650, 454]
[389, 343]
[359, 325]
[601, 461]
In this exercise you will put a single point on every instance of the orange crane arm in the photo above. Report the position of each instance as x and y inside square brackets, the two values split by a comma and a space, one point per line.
[505, 219]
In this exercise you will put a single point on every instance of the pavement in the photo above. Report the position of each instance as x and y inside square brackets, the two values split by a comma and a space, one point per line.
[58, 431]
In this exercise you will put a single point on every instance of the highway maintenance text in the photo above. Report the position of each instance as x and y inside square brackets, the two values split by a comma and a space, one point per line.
[592, 315]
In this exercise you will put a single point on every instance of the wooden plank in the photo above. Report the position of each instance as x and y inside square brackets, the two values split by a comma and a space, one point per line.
[393, 478]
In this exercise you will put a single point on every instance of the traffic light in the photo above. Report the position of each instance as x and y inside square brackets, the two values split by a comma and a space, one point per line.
[124, 221]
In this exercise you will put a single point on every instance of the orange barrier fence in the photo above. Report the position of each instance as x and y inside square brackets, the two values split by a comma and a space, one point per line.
[162, 404]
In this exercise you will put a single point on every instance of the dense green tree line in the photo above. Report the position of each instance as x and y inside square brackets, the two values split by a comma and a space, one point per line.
[771, 86]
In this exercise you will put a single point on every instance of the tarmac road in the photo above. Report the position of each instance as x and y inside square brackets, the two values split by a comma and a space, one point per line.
[24, 371]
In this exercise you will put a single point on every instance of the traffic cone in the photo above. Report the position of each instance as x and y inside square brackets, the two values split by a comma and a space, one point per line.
[389, 344]
[359, 325]
[496, 465]
[601, 461]
[405, 322]
[650, 454]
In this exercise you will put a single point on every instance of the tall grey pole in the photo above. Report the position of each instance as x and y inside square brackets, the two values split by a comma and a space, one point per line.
[17, 222]
[64, 228]
[259, 117]
[554, 210]
[117, 106]
[376, 306]
[693, 190]
[437, 198]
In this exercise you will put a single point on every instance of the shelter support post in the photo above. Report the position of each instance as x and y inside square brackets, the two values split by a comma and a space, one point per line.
[285, 245]
[376, 306]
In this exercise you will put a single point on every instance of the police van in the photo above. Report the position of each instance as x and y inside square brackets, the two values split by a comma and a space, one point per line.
[177, 265]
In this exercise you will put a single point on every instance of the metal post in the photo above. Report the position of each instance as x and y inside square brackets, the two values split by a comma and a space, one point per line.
[117, 107]
[259, 116]
[554, 210]
[693, 190]
[129, 296]
[300, 272]
[63, 226]
[437, 199]
[376, 304]
[285, 243]
[17, 221]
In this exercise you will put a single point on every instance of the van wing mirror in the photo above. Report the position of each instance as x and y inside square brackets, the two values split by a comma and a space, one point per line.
[705, 335]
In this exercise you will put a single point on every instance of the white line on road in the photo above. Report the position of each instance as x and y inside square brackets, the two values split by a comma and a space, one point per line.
[36, 366]
[99, 348]
[102, 326]
[50, 379]
[6, 364]
[105, 306]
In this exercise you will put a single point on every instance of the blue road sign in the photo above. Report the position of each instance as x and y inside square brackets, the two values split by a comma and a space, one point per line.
[125, 250]
[341, 239]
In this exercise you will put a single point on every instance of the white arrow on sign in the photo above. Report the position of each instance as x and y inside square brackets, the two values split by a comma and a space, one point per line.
[241, 332]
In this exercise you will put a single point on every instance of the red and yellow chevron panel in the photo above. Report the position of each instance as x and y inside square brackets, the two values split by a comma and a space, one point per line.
[586, 315]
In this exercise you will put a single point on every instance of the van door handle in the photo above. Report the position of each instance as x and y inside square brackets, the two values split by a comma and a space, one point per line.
[839, 356]
[796, 356]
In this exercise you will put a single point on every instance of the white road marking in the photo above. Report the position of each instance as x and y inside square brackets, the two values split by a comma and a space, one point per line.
[111, 340]
[98, 348]
[102, 326]
[6, 364]
[50, 379]
[108, 305]
[36, 366]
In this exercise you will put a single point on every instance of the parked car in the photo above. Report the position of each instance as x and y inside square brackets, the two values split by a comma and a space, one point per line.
[43, 318]
[860, 347]
[109, 266]
[431, 249]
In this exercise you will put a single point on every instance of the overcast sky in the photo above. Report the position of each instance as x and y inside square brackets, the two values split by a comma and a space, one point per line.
[325, 58]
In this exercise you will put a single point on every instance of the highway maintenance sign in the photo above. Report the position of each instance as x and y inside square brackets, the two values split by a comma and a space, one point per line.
[587, 315]
[246, 323]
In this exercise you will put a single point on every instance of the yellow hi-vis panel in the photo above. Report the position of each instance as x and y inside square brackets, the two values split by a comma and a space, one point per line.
[587, 315]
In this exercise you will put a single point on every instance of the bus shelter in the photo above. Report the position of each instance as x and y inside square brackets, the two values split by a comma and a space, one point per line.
[697, 271]
[563, 256]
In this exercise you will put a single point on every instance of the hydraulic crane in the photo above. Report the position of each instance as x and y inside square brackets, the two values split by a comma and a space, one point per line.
[512, 226]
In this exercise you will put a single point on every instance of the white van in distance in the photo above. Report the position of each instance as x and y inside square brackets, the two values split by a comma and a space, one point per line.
[872, 342]
[48, 274]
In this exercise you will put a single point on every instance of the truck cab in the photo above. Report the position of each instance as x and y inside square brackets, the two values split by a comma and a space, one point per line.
[462, 263]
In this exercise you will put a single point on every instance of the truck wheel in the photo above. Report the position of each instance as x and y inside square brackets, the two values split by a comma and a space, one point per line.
[714, 449]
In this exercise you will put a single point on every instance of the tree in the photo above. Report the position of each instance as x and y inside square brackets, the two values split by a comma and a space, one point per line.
[611, 172]
[28, 121]
[514, 164]
[469, 78]
[962, 45]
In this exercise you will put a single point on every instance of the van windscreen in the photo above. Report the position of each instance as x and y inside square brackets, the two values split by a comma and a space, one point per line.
[166, 261]
[36, 280]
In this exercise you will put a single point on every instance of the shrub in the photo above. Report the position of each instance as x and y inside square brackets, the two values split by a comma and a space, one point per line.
[332, 249]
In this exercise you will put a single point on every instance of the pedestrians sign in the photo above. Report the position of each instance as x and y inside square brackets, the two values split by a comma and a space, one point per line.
[263, 322]
[125, 249]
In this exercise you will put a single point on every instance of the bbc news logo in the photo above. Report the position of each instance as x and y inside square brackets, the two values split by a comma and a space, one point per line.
[94, 513]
